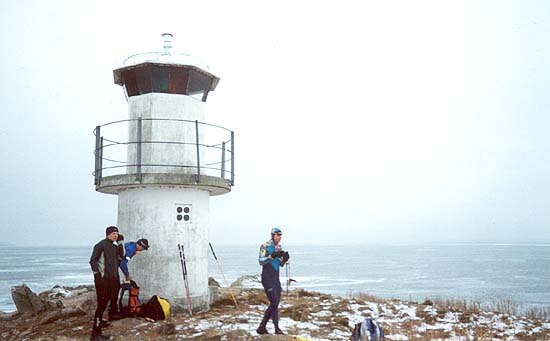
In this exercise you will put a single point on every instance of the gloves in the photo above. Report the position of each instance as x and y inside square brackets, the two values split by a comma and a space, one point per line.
[277, 254]
[286, 257]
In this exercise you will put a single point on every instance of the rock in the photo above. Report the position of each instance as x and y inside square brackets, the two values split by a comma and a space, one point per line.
[212, 282]
[52, 316]
[247, 281]
[26, 301]
[56, 292]
[166, 329]
[8, 316]
[215, 295]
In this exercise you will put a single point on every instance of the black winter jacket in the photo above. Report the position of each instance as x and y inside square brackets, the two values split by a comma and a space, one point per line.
[104, 259]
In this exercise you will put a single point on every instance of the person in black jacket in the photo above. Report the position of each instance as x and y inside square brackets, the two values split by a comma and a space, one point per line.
[104, 263]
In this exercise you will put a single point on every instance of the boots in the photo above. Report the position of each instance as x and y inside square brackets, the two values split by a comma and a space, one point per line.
[262, 330]
[115, 316]
[96, 327]
[97, 334]
[99, 337]
[278, 331]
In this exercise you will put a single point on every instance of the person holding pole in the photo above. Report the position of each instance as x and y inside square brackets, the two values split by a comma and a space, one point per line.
[271, 258]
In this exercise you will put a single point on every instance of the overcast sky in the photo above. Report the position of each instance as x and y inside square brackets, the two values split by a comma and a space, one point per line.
[383, 121]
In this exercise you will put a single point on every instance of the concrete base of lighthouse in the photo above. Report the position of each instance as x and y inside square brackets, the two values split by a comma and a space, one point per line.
[168, 216]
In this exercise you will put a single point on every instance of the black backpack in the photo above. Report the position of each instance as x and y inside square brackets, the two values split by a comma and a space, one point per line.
[157, 308]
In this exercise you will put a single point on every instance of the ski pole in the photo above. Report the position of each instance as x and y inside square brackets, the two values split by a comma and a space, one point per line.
[289, 279]
[287, 270]
[185, 280]
[225, 280]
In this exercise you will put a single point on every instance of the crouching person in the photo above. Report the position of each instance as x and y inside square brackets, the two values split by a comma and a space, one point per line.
[131, 249]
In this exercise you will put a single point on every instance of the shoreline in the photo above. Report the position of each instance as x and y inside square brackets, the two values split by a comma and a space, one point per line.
[512, 306]
[311, 315]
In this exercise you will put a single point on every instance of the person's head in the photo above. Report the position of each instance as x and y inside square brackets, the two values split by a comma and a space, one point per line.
[142, 244]
[276, 235]
[112, 233]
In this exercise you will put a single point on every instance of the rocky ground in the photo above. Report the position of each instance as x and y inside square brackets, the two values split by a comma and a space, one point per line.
[67, 315]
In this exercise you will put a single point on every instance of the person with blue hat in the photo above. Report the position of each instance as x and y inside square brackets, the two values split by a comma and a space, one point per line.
[272, 257]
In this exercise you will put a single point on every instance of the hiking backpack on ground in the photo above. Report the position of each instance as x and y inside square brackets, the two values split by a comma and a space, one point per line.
[157, 308]
[368, 330]
[129, 303]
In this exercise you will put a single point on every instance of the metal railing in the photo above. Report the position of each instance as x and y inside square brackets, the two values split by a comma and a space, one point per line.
[184, 146]
[163, 57]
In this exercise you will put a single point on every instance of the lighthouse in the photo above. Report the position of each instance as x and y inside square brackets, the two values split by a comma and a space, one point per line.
[164, 162]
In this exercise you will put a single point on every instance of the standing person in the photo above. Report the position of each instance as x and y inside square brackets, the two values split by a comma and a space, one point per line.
[271, 258]
[104, 263]
[132, 249]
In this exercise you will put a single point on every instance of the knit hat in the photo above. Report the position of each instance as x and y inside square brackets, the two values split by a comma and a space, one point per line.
[276, 230]
[110, 230]
[144, 243]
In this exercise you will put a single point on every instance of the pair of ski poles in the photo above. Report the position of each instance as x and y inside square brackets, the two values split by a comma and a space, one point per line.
[185, 277]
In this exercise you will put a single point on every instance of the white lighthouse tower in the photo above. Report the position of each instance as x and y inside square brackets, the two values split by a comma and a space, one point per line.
[164, 162]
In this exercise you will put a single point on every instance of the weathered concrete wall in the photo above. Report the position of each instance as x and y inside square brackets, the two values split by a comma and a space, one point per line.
[166, 106]
[152, 213]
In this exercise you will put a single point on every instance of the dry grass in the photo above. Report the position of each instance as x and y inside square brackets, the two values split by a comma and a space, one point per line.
[299, 311]
[365, 297]
[538, 313]
[504, 306]
[303, 293]
[461, 305]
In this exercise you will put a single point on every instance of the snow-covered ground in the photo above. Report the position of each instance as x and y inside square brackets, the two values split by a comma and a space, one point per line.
[317, 316]
[304, 315]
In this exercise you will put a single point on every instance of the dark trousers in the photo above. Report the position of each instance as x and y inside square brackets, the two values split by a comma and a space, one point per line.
[107, 292]
[273, 291]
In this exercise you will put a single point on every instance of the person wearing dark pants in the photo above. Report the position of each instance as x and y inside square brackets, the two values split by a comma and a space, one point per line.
[104, 263]
[272, 257]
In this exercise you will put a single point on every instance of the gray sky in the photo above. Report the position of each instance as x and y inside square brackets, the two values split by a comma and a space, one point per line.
[381, 121]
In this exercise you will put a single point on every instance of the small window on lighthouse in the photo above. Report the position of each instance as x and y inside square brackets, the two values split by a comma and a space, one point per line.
[183, 213]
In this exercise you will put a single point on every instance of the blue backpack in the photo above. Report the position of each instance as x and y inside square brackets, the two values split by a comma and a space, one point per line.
[368, 330]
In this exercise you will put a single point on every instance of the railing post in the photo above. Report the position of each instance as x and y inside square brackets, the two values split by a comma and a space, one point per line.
[232, 158]
[96, 153]
[138, 156]
[198, 154]
[101, 160]
[223, 160]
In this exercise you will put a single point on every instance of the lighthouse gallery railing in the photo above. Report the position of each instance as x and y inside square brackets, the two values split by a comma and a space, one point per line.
[215, 149]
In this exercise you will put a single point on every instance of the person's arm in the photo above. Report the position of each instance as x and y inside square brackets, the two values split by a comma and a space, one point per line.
[124, 266]
[264, 257]
[94, 259]
[130, 250]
